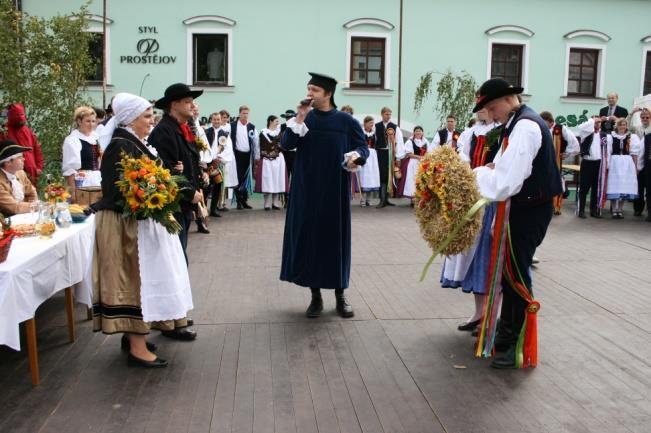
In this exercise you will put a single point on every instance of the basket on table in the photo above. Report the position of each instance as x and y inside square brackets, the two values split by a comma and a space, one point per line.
[7, 237]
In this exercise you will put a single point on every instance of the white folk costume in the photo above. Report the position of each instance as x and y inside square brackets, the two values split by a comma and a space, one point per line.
[369, 174]
[622, 171]
[226, 155]
[594, 167]
[82, 153]
[272, 171]
[414, 148]
[388, 155]
[444, 136]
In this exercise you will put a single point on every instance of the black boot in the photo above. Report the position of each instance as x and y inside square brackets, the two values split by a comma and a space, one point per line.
[201, 227]
[383, 197]
[344, 309]
[506, 360]
[316, 306]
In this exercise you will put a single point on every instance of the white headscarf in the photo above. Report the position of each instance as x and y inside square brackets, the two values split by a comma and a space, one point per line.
[126, 109]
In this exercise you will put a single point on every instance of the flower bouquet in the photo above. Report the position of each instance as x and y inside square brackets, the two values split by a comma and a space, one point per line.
[6, 236]
[149, 191]
[448, 203]
[56, 191]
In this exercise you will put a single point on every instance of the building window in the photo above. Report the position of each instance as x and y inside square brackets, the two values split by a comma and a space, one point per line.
[582, 72]
[367, 62]
[646, 88]
[96, 54]
[506, 63]
[210, 59]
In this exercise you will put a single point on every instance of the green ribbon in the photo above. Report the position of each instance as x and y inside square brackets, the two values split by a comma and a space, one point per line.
[464, 221]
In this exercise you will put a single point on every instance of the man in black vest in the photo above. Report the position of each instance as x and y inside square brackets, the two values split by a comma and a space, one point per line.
[448, 135]
[385, 155]
[175, 145]
[594, 143]
[644, 164]
[525, 171]
[247, 151]
[611, 113]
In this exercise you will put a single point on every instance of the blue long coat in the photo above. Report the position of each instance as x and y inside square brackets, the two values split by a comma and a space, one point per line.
[316, 245]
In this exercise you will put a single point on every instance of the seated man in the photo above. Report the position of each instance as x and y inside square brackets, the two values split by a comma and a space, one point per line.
[16, 191]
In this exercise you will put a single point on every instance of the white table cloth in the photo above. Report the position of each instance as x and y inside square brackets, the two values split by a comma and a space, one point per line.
[38, 268]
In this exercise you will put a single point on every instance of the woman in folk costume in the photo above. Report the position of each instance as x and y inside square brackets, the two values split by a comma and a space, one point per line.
[414, 150]
[223, 165]
[396, 153]
[271, 172]
[139, 271]
[369, 174]
[81, 151]
[478, 146]
[622, 172]
[230, 166]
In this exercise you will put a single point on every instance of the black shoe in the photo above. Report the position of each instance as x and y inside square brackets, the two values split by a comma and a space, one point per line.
[215, 214]
[388, 203]
[275, 207]
[315, 308]
[246, 206]
[505, 360]
[132, 361]
[189, 321]
[201, 228]
[344, 309]
[582, 215]
[267, 209]
[595, 215]
[126, 345]
[381, 205]
[182, 334]
[223, 209]
[469, 326]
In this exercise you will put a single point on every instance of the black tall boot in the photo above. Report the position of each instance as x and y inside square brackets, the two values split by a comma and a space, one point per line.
[344, 309]
[316, 306]
[383, 197]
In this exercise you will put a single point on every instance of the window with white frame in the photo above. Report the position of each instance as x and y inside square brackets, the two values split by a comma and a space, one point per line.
[507, 62]
[210, 59]
[646, 81]
[584, 70]
[210, 51]
[96, 53]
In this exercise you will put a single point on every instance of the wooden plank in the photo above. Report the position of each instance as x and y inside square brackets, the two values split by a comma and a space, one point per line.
[304, 412]
[224, 397]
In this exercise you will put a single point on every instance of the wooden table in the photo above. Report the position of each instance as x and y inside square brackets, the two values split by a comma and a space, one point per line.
[35, 270]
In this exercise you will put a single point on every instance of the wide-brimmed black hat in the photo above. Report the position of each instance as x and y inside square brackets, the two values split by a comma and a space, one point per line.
[493, 89]
[175, 92]
[9, 148]
[288, 114]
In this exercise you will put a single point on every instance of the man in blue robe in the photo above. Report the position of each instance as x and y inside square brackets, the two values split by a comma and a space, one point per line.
[329, 145]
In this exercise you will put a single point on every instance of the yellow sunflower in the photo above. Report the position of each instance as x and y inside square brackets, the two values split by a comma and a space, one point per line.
[155, 201]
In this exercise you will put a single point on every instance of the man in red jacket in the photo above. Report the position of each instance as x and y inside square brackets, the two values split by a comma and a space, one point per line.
[18, 131]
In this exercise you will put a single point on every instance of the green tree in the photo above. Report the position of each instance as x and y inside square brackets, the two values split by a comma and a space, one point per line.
[455, 94]
[44, 65]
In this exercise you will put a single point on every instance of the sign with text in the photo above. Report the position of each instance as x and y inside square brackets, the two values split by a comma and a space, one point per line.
[147, 49]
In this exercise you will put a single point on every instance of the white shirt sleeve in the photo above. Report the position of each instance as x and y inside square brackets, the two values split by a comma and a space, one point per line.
[573, 147]
[463, 144]
[513, 166]
[297, 129]
[436, 141]
[71, 159]
[400, 144]
[586, 128]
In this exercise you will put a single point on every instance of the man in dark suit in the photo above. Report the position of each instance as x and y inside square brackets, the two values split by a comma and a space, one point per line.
[174, 143]
[611, 113]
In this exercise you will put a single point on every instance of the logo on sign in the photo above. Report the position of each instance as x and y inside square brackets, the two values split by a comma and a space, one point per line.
[147, 46]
